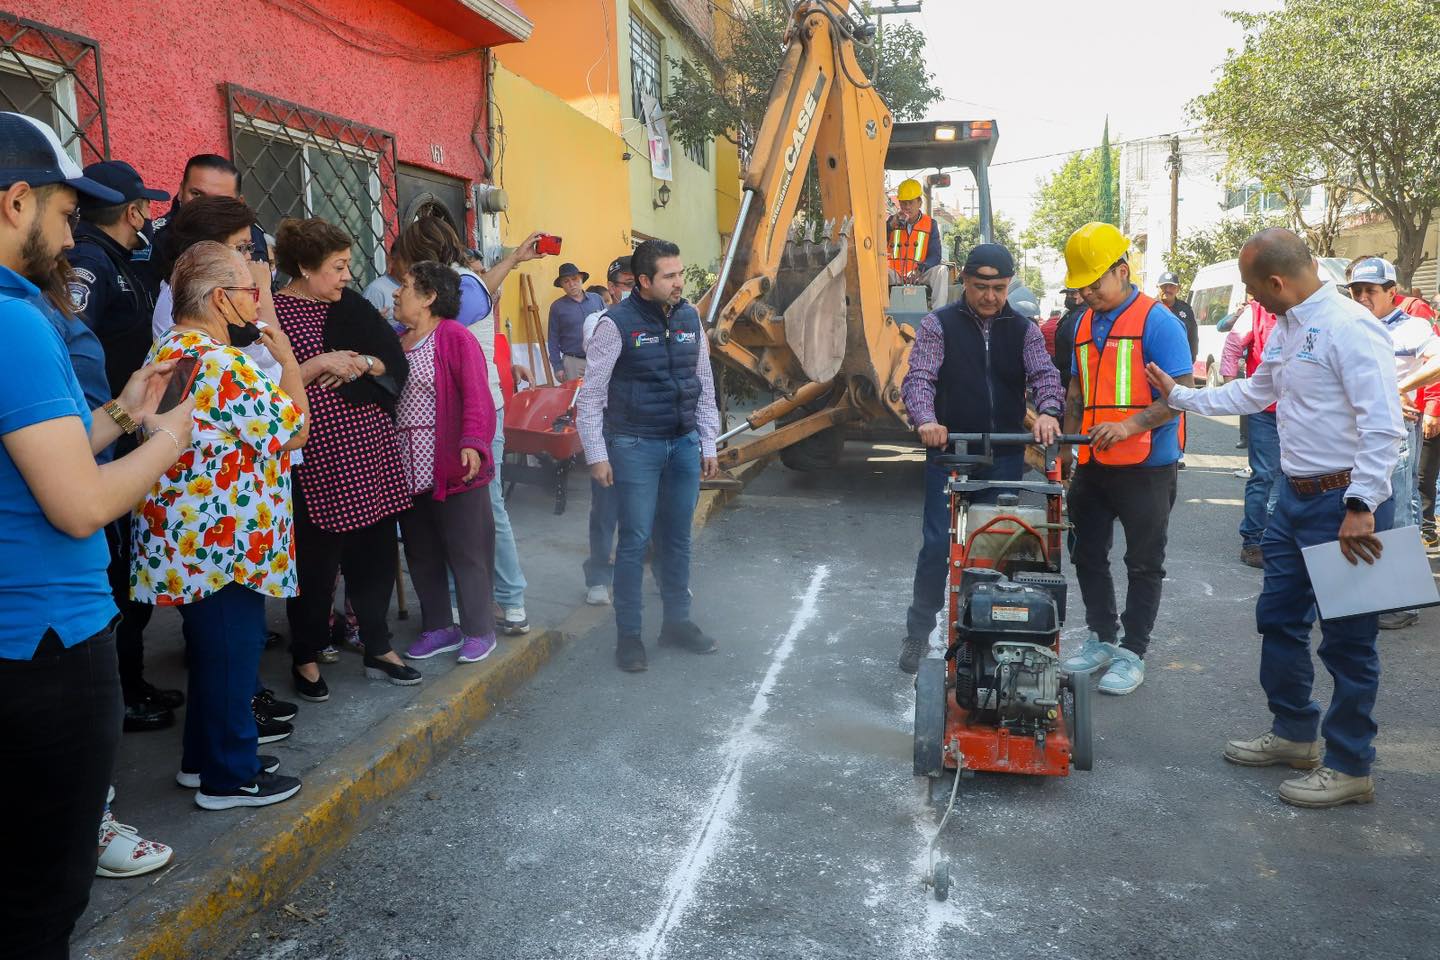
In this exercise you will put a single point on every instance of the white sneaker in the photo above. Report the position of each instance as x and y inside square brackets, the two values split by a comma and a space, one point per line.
[514, 622]
[598, 595]
[124, 853]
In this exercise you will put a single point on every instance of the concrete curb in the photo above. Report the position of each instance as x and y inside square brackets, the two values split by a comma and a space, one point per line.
[255, 867]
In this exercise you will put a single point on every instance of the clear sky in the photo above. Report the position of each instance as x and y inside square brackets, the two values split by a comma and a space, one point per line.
[1049, 72]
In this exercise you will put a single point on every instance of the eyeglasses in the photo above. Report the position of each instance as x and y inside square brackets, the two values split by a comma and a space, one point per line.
[245, 249]
[73, 218]
[253, 291]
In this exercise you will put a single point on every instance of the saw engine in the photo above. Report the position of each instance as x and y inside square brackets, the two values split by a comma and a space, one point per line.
[1007, 672]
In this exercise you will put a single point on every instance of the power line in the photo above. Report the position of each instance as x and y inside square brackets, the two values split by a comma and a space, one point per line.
[1113, 143]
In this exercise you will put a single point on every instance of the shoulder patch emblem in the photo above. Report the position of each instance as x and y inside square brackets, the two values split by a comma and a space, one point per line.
[79, 296]
[83, 274]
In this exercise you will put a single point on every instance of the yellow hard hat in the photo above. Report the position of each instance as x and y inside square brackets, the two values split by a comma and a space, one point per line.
[1092, 250]
[909, 190]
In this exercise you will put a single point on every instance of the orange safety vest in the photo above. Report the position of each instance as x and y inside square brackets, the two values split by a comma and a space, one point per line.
[908, 247]
[1113, 383]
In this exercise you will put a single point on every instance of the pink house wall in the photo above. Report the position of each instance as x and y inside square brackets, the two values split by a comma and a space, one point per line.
[164, 64]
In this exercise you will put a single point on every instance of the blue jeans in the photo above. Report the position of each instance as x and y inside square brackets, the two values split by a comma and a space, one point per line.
[1284, 615]
[1265, 480]
[509, 579]
[604, 517]
[657, 484]
[1405, 481]
[933, 563]
[224, 634]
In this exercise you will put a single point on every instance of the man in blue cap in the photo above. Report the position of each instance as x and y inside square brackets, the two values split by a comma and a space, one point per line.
[108, 292]
[971, 366]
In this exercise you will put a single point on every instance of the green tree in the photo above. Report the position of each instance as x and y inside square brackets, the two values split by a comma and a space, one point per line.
[1213, 244]
[1069, 198]
[1108, 179]
[1342, 93]
[964, 236]
[703, 106]
[1031, 276]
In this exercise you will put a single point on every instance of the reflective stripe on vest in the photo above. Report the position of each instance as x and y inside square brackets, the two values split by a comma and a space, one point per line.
[1113, 382]
[907, 247]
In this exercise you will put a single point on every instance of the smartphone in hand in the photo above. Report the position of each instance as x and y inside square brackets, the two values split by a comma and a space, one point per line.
[182, 378]
[548, 244]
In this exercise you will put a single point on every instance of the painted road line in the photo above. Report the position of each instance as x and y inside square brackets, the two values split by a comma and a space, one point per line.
[715, 822]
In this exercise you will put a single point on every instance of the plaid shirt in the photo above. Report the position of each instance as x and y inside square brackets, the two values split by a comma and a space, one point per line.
[1042, 380]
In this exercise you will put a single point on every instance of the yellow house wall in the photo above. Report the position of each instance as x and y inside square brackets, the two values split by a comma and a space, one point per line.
[564, 175]
[690, 217]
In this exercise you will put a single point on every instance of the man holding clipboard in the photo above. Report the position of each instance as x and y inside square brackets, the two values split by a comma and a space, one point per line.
[1331, 368]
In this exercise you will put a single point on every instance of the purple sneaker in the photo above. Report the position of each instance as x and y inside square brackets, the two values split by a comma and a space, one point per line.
[432, 642]
[477, 648]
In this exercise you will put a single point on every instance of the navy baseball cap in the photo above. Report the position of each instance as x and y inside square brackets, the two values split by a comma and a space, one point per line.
[1168, 278]
[618, 266]
[1375, 270]
[123, 179]
[30, 151]
[991, 255]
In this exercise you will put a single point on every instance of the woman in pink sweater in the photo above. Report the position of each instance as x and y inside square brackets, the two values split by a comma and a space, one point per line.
[446, 421]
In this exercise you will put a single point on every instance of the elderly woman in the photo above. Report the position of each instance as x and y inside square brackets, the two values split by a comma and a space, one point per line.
[447, 421]
[351, 487]
[213, 535]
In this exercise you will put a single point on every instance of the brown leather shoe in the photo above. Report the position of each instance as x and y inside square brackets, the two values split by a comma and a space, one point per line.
[1327, 788]
[1268, 750]
[1252, 557]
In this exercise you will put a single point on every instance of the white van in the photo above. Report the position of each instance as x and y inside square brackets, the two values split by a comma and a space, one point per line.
[1216, 293]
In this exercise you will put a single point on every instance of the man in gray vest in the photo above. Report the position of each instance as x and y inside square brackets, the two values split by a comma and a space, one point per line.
[648, 421]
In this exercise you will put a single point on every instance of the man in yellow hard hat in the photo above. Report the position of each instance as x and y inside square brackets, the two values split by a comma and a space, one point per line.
[1128, 472]
[913, 240]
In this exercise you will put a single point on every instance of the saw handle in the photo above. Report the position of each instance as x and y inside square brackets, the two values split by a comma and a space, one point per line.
[1014, 439]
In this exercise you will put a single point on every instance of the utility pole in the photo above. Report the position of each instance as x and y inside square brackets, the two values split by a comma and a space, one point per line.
[896, 7]
[1172, 162]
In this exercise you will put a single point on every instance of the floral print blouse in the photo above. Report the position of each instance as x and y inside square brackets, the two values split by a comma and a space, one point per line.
[222, 513]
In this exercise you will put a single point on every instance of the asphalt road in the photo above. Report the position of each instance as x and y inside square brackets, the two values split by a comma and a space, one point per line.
[758, 803]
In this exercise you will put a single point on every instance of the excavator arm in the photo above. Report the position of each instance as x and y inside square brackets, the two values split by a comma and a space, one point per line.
[801, 306]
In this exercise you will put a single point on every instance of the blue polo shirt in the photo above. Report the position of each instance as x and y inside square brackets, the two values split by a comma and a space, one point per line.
[1164, 344]
[48, 580]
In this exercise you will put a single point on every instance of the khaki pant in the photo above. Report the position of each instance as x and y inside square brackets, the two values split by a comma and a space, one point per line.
[937, 279]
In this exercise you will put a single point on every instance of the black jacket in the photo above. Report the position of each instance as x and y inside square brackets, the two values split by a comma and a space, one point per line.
[110, 295]
[353, 323]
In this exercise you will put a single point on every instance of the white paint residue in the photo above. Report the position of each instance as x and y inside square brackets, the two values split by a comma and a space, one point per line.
[715, 822]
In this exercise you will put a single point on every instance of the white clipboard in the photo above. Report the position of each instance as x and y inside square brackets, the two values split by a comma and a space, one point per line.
[1399, 580]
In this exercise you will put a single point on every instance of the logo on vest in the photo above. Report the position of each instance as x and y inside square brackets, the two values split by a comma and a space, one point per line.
[645, 339]
[685, 336]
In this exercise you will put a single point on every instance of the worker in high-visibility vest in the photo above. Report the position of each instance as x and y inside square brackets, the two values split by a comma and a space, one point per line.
[1128, 472]
[914, 242]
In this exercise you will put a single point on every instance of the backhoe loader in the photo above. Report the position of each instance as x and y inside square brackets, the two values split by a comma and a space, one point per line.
[803, 308]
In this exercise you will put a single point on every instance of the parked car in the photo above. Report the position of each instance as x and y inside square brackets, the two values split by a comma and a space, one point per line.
[1216, 295]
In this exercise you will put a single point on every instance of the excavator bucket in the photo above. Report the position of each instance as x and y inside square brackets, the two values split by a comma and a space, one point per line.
[815, 321]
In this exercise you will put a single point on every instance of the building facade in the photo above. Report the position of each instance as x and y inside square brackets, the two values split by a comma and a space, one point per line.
[328, 108]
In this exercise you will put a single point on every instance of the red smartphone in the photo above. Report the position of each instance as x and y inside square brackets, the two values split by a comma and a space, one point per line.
[548, 244]
[182, 378]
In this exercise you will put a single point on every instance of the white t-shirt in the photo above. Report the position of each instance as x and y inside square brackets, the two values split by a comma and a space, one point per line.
[163, 319]
[381, 294]
[1415, 342]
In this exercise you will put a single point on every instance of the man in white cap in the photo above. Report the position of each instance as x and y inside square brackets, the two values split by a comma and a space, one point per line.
[1372, 284]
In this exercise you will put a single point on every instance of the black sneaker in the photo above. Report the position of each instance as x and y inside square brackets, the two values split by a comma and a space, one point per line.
[146, 715]
[268, 788]
[268, 731]
[630, 655]
[687, 636]
[911, 650]
[400, 674]
[265, 702]
[313, 690]
[191, 781]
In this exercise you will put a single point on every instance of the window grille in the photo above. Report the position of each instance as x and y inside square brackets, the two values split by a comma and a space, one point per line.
[700, 153]
[644, 67]
[56, 77]
[299, 162]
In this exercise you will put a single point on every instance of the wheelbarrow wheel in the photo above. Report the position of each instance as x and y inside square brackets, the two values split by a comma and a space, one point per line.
[1078, 721]
[930, 717]
[940, 879]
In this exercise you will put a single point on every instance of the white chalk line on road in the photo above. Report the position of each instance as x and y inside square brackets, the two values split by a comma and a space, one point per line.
[680, 886]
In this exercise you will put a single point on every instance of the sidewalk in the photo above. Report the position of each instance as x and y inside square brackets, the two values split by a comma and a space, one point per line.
[353, 752]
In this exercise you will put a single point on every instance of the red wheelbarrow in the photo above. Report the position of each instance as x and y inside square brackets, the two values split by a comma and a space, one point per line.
[540, 423]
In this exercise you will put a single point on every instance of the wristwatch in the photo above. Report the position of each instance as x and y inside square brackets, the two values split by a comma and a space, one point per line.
[1357, 505]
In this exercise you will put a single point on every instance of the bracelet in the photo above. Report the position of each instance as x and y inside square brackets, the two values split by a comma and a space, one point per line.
[121, 417]
[171, 434]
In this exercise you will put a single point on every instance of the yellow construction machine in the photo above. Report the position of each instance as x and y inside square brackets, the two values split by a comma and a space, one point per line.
[805, 308]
